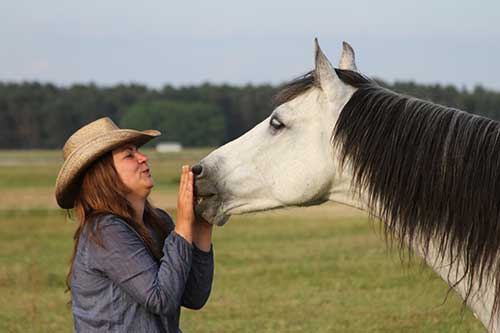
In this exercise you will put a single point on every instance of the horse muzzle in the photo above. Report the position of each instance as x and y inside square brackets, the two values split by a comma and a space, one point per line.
[208, 202]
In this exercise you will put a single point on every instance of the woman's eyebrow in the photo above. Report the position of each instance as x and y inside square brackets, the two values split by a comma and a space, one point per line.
[125, 151]
[130, 148]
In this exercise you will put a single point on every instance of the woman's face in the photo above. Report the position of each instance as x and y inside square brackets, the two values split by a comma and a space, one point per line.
[133, 169]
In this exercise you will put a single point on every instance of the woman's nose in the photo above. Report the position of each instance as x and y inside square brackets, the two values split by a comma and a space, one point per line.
[142, 157]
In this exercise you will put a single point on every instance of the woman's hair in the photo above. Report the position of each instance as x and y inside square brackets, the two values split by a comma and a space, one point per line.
[103, 192]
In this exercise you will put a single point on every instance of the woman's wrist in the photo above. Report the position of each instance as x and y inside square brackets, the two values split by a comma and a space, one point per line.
[184, 232]
[203, 235]
[203, 224]
[203, 244]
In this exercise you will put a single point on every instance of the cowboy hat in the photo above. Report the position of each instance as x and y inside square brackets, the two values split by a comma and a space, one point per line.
[84, 147]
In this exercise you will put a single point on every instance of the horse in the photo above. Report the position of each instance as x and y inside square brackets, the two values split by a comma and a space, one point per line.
[431, 173]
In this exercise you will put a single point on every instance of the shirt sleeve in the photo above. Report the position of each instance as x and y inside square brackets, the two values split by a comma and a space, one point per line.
[199, 283]
[126, 260]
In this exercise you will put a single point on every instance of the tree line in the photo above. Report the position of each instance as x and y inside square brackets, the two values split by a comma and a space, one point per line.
[43, 116]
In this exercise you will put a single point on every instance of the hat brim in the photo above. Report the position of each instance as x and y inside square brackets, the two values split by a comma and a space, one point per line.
[68, 179]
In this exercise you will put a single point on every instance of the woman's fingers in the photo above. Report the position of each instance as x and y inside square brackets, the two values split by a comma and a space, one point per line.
[184, 172]
[190, 182]
[185, 212]
[182, 180]
[185, 179]
[186, 185]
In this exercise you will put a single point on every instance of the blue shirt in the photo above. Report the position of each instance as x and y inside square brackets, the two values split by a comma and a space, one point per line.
[123, 288]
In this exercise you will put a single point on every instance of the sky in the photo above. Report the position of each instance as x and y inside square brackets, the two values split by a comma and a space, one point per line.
[186, 42]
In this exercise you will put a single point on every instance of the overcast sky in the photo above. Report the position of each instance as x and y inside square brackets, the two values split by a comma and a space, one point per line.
[238, 42]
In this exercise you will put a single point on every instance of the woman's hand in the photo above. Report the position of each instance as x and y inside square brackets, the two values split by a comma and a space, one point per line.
[192, 229]
[185, 209]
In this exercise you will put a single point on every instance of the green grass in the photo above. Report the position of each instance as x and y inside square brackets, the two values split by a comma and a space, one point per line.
[28, 177]
[34, 252]
[313, 271]
[320, 275]
[273, 274]
[38, 169]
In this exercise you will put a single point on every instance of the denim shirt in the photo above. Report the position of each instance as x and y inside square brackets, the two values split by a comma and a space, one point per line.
[122, 288]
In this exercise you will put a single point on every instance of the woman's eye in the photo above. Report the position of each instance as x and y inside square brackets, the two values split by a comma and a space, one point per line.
[276, 123]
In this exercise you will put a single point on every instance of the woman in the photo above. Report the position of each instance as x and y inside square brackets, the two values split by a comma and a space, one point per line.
[132, 268]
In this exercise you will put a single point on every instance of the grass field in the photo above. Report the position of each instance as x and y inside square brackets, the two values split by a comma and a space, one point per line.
[321, 269]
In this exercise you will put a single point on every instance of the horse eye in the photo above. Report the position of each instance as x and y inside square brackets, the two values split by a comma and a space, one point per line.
[276, 123]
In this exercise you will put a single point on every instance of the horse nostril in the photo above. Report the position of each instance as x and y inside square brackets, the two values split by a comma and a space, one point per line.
[197, 169]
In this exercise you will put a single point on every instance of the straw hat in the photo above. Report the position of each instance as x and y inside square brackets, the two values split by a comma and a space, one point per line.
[85, 146]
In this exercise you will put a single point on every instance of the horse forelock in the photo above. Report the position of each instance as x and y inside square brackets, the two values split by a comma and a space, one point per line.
[309, 80]
[429, 171]
[295, 88]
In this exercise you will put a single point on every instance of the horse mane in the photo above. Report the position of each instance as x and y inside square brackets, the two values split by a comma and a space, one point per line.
[430, 172]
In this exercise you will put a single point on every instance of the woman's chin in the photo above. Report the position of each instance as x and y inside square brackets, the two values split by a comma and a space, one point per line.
[146, 191]
[149, 188]
[149, 183]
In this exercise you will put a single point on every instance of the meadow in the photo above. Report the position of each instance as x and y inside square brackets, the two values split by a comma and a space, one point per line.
[319, 269]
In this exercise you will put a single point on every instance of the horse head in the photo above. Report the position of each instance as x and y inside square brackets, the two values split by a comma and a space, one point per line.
[288, 158]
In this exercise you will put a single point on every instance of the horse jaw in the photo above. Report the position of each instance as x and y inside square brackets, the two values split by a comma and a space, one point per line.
[267, 168]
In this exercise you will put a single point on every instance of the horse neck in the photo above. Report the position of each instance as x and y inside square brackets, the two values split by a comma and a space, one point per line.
[481, 300]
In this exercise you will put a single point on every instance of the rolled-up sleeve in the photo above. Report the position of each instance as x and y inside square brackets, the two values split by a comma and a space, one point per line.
[126, 260]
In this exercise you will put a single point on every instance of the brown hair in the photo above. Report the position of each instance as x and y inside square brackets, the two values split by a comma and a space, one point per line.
[102, 192]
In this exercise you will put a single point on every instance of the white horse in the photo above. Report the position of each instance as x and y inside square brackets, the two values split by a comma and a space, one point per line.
[431, 173]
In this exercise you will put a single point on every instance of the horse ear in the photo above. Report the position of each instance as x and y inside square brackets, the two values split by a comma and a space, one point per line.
[347, 59]
[325, 74]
